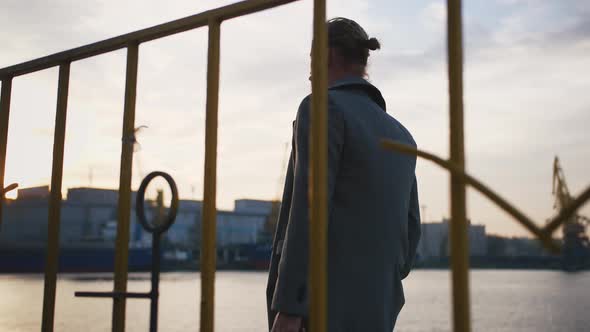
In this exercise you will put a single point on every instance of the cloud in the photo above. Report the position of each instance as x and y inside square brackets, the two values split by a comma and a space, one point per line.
[434, 15]
[526, 95]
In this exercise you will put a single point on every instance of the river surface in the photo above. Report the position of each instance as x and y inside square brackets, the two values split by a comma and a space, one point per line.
[501, 301]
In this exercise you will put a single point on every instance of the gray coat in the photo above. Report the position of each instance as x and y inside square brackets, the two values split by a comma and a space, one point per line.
[374, 220]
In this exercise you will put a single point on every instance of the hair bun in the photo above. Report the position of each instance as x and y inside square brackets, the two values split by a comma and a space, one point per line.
[372, 44]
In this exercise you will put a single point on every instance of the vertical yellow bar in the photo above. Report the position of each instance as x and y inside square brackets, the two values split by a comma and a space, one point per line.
[51, 261]
[124, 213]
[208, 247]
[4, 115]
[318, 179]
[458, 225]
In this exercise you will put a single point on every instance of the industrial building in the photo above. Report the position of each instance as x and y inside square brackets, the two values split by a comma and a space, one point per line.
[434, 241]
[88, 216]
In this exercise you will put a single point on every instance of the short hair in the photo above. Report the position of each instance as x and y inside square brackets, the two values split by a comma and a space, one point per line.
[351, 40]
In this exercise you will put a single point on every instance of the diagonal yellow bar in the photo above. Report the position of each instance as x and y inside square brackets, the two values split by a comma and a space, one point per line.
[567, 211]
[318, 172]
[485, 190]
[52, 258]
[208, 248]
[458, 225]
[124, 204]
[10, 187]
[4, 116]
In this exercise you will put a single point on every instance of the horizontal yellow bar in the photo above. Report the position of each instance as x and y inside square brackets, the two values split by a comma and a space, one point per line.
[140, 36]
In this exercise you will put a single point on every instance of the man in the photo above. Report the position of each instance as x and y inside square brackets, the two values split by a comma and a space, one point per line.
[374, 221]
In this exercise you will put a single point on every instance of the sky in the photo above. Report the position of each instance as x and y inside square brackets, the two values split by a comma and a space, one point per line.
[527, 64]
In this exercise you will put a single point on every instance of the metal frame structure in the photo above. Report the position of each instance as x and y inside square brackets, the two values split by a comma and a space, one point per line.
[318, 182]
[157, 227]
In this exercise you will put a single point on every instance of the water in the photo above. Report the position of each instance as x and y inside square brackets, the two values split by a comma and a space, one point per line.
[501, 301]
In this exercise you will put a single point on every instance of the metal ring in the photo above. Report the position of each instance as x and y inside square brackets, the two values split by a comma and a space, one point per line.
[139, 204]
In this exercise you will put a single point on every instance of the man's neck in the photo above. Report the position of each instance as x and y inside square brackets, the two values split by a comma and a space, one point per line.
[336, 75]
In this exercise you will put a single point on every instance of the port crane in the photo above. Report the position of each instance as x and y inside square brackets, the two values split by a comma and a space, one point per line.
[576, 246]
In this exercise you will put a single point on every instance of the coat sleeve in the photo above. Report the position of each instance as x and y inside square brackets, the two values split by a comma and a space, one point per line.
[278, 240]
[291, 292]
[414, 229]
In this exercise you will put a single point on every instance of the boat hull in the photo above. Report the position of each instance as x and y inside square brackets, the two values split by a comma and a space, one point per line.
[32, 260]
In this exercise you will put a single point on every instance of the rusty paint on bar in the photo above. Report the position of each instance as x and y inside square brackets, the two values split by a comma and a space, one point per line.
[52, 258]
[318, 173]
[5, 94]
[458, 226]
[208, 246]
[140, 36]
[124, 204]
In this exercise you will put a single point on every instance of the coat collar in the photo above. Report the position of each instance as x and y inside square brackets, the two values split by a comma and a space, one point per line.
[359, 83]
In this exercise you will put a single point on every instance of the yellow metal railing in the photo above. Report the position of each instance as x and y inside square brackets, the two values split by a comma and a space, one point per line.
[318, 180]
[5, 93]
[458, 226]
[131, 41]
[124, 204]
[318, 189]
[55, 198]
[459, 178]
[208, 252]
